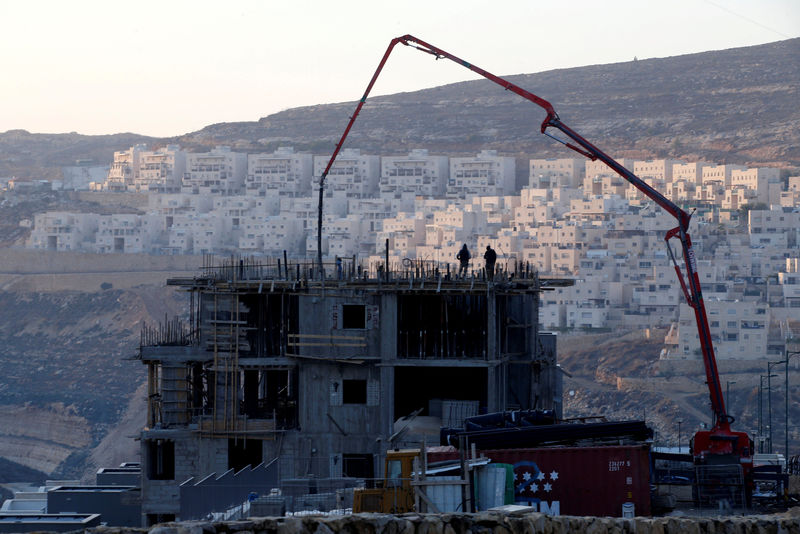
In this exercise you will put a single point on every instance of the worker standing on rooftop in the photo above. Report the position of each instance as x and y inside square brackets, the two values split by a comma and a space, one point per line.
[463, 256]
[491, 257]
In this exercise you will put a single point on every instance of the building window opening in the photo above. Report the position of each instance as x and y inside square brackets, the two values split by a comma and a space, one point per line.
[354, 391]
[454, 326]
[161, 459]
[268, 394]
[198, 381]
[243, 453]
[270, 318]
[427, 387]
[354, 316]
[358, 466]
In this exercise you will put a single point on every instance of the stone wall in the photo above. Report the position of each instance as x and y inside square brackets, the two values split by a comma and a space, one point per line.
[49, 271]
[24, 261]
[485, 523]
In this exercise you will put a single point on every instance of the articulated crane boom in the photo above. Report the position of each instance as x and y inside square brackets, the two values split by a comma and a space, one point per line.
[720, 444]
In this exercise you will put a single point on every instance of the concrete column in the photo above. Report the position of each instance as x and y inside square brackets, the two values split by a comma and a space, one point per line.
[494, 389]
[388, 348]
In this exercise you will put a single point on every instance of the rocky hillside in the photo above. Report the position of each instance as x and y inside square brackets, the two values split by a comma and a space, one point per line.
[736, 106]
[729, 106]
[41, 156]
[620, 377]
[69, 381]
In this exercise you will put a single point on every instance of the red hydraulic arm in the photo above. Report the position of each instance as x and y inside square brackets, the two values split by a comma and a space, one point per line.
[720, 440]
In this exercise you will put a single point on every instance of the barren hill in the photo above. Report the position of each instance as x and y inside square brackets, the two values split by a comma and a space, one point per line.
[727, 106]
[735, 106]
[618, 375]
[68, 331]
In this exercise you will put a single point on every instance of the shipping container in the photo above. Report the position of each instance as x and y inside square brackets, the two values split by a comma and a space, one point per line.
[595, 481]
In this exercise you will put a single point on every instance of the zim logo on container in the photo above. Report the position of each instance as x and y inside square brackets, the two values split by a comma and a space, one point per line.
[532, 487]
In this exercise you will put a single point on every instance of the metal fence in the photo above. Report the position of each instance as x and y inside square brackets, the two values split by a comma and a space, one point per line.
[720, 487]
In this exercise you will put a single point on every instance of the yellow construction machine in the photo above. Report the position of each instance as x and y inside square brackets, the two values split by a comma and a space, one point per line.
[394, 494]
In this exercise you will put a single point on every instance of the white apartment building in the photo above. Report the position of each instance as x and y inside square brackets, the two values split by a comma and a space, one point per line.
[656, 170]
[218, 172]
[306, 210]
[607, 185]
[562, 196]
[553, 309]
[711, 193]
[681, 190]
[690, 172]
[550, 173]
[773, 227]
[282, 234]
[237, 208]
[180, 241]
[719, 174]
[598, 208]
[650, 219]
[160, 171]
[766, 260]
[429, 206]
[485, 174]
[600, 179]
[757, 180]
[788, 199]
[586, 315]
[232, 211]
[128, 233]
[405, 232]
[353, 175]
[596, 168]
[210, 234]
[599, 265]
[535, 195]
[657, 295]
[537, 254]
[170, 206]
[738, 330]
[733, 256]
[282, 173]
[417, 174]
[63, 231]
[371, 211]
[564, 261]
[180, 234]
[789, 280]
[582, 306]
[497, 212]
[523, 216]
[124, 169]
[346, 238]
[270, 235]
[456, 218]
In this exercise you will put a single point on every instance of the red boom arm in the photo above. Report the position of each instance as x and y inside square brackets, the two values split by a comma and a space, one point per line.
[691, 290]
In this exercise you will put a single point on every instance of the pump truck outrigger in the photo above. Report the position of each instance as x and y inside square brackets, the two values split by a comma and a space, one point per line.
[720, 444]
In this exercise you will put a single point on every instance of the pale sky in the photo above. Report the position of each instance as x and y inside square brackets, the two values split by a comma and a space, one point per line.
[169, 67]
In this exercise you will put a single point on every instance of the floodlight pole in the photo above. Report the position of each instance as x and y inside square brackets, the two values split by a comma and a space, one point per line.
[789, 354]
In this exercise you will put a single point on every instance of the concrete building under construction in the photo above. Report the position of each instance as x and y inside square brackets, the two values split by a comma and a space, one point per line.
[278, 364]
